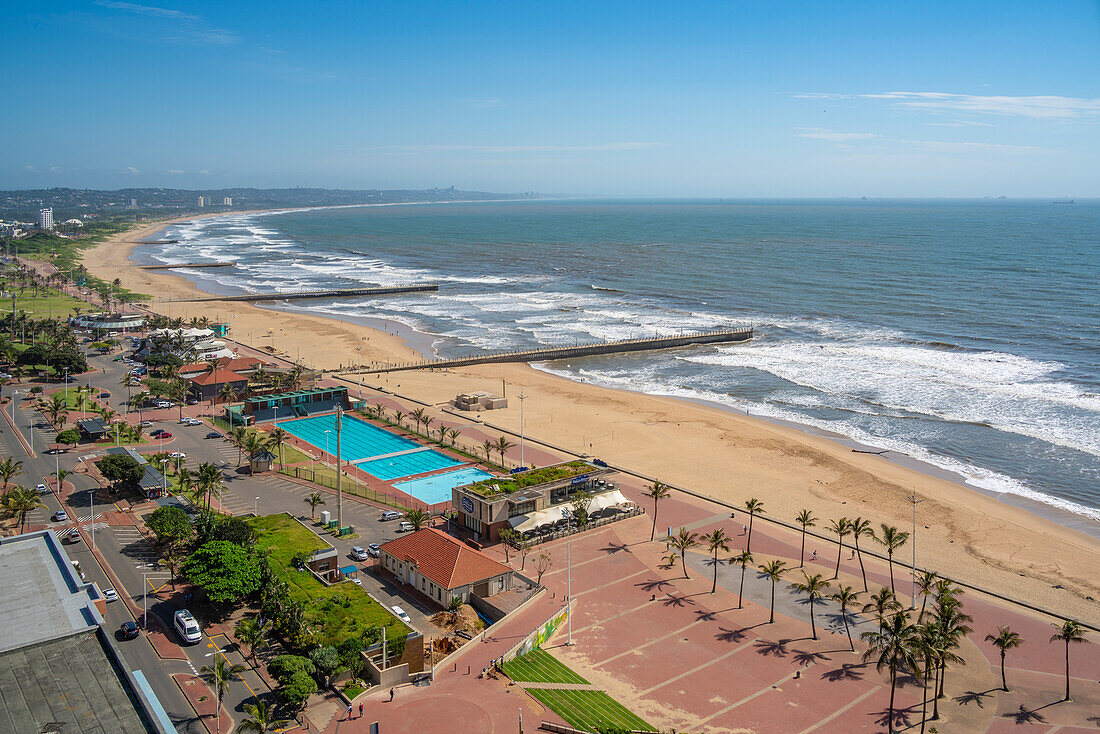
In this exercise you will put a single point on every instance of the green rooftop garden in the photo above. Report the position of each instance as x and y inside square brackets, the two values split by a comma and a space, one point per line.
[336, 612]
[534, 477]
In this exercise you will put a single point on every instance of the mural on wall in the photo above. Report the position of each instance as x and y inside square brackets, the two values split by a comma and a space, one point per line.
[542, 634]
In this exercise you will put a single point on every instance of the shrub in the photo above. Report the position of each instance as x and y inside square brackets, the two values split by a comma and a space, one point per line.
[297, 689]
[284, 666]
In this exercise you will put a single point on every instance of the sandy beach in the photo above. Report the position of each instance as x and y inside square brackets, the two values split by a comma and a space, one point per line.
[962, 532]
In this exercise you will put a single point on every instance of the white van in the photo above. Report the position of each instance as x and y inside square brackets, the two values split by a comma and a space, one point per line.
[401, 614]
[187, 627]
[406, 527]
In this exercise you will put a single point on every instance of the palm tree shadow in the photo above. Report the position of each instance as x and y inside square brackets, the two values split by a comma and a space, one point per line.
[806, 658]
[847, 671]
[1023, 716]
[677, 601]
[977, 697]
[612, 548]
[778, 649]
[901, 718]
[704, 616]
[653, 584]
[726, 635]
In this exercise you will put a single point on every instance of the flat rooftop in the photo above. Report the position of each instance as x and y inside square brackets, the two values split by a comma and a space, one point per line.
[70, 683]
[43, 598]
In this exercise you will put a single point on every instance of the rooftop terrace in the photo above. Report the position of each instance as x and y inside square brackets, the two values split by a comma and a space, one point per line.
[500, 486]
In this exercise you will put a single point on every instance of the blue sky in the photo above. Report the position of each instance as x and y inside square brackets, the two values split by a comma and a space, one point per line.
[660, 99]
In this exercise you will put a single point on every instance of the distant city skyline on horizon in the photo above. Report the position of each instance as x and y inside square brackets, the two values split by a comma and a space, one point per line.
[793, 100]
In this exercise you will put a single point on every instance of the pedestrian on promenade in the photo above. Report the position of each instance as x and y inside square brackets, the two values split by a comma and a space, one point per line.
[360, 711]
[349, 711]
[391, 694]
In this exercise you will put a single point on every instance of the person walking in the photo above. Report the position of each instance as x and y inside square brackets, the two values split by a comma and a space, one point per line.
[349, 711]
[391, 694]
[360, 711]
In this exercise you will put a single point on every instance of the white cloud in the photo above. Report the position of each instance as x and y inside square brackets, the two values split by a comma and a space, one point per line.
[959, 123]
[55, 169]
[145, 10]
[132, 170]
[602, 147]
[175, 171]
[188, 27]
[204, 172]
[1038, 107]
[486, 104]
[820, 133]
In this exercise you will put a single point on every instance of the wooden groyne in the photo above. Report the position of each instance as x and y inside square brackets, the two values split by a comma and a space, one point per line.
[547, 354]
[333, 293]
[166, 266]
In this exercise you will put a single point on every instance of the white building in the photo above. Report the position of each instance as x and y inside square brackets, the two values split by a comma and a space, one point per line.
[202, 201]
[45, 218]
[227, 201]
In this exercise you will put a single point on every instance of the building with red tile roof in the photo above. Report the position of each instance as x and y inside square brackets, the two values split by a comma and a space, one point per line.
[208, 385]
[441, 567]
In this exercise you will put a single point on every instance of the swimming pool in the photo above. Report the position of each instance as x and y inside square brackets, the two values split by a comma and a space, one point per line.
[438, 488]
[361, 440]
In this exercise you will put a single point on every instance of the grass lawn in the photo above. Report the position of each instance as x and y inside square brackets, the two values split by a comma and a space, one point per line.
[50, 303]
[339, 611]
[539, 666]
[588, 709]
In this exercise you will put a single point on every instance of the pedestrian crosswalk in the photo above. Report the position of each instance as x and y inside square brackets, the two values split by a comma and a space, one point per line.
[135, 545]
[62, 533]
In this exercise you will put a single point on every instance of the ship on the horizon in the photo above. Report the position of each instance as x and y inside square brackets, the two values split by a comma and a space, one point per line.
[1063, 201]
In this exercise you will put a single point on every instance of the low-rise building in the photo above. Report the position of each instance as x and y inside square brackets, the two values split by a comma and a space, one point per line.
[109, 321]
[480, 401]
[533, 499]
[442, 567]
[297, 404]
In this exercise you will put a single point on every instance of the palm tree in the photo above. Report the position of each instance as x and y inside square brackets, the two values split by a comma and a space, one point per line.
[882, 604]
[427, 421]
[277, 438]
[754, 507]
[397, 416]
[861, 528]
[502, 445]
[210, 481]
[1005, 640]
[261, 718]
[807, 520]
[841, 527]
[417, 518]
[237, 437]
[682, 543]
[185, 479]
[252, 632]
[418, 417]
[487, 447]
[716, 540]
[9, 469]
[845, 597]
[774, 570]
[813, 587]
[20, 501]
[219, 676]
[895, 646]
[1070, 631]
[952, 629]
[892, 539]
[57, 411]
[254, 444]
[926, 580]
[657, 491]
[313, 500]
[743, 559]
[454, 432]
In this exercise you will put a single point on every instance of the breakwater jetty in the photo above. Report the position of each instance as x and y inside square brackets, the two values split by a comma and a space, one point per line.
[332, 293]
[166, 266]
[546, 354]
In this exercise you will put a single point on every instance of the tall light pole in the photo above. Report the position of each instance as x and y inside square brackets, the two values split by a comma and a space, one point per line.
[359, 368]
[326, 447]
[913, 570]
[339, 472]
[255, 504]
[569, 587]
[522, 398]
[164, 474]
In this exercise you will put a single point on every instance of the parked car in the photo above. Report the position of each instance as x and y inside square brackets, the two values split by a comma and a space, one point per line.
[405, 527]
[146, 424]
[164, 434]
[42, 489]
[104, 395]
[60, 516]
[192, 422]
[390, 515]
[359, 554]
[110, 595]
[129, 630]
[374, 550]
[155, 433]
[178, 455]
[401, 614]
[192, 401]
[188, 629]
[164, 403]
[213, 434]
[74, 536]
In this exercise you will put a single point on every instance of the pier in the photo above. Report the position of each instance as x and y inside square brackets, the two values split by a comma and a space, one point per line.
[166, 266]
[546, 354]
[333, 293]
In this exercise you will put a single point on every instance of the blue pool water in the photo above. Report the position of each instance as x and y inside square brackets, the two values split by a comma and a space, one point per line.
[362, 441]
[438, 488]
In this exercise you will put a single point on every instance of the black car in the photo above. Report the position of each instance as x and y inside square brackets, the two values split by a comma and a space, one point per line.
[129, 630]
[213, 434]
[157, 432]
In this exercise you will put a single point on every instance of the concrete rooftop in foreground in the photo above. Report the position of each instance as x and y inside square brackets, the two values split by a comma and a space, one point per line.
[42, 596]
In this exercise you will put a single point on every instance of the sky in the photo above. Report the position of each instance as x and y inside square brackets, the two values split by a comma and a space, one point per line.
[673, 99]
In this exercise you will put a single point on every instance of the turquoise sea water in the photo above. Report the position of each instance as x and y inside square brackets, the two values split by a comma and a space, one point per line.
[961, 333]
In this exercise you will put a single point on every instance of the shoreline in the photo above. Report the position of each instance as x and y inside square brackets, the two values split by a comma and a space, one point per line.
[708, 446]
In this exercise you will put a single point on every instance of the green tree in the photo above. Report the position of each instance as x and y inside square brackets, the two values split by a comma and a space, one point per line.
[682, 543]
[657, 492]
[807, 520]
[19, 501]
[417, 518]
[120, 469]
[845, 597]
[883, 604]
[841, 527]
[894, 647]
[716, 540]
[774, 570]
[218, 676]
[579, 503]
[69, 437]
[754, 507]
[276, 439]
[284, 666]
[814, 588]
[861, 528]
[9, 469]
[226, 571]
[926, 581]
[254, 633]
[891, 539]
[1070, 631]
[171, 525]
[501, 447]
[326, 659]
[1004, 640]
[742, 559]
[297, 689]
[261, 718]
[313, 500]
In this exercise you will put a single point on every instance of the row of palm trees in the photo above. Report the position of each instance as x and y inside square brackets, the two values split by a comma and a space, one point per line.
[444, 435]
[922, 648]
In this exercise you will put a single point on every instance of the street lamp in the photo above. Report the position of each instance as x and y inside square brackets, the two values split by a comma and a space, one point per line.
[522, 398]
[255, 503]
[913, 570]
[326, 446]
[164, 474]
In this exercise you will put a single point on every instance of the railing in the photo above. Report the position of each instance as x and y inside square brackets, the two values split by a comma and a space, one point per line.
[346, 485]
[559, 534]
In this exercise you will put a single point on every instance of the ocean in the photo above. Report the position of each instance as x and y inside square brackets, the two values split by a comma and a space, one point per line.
[963, 334]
